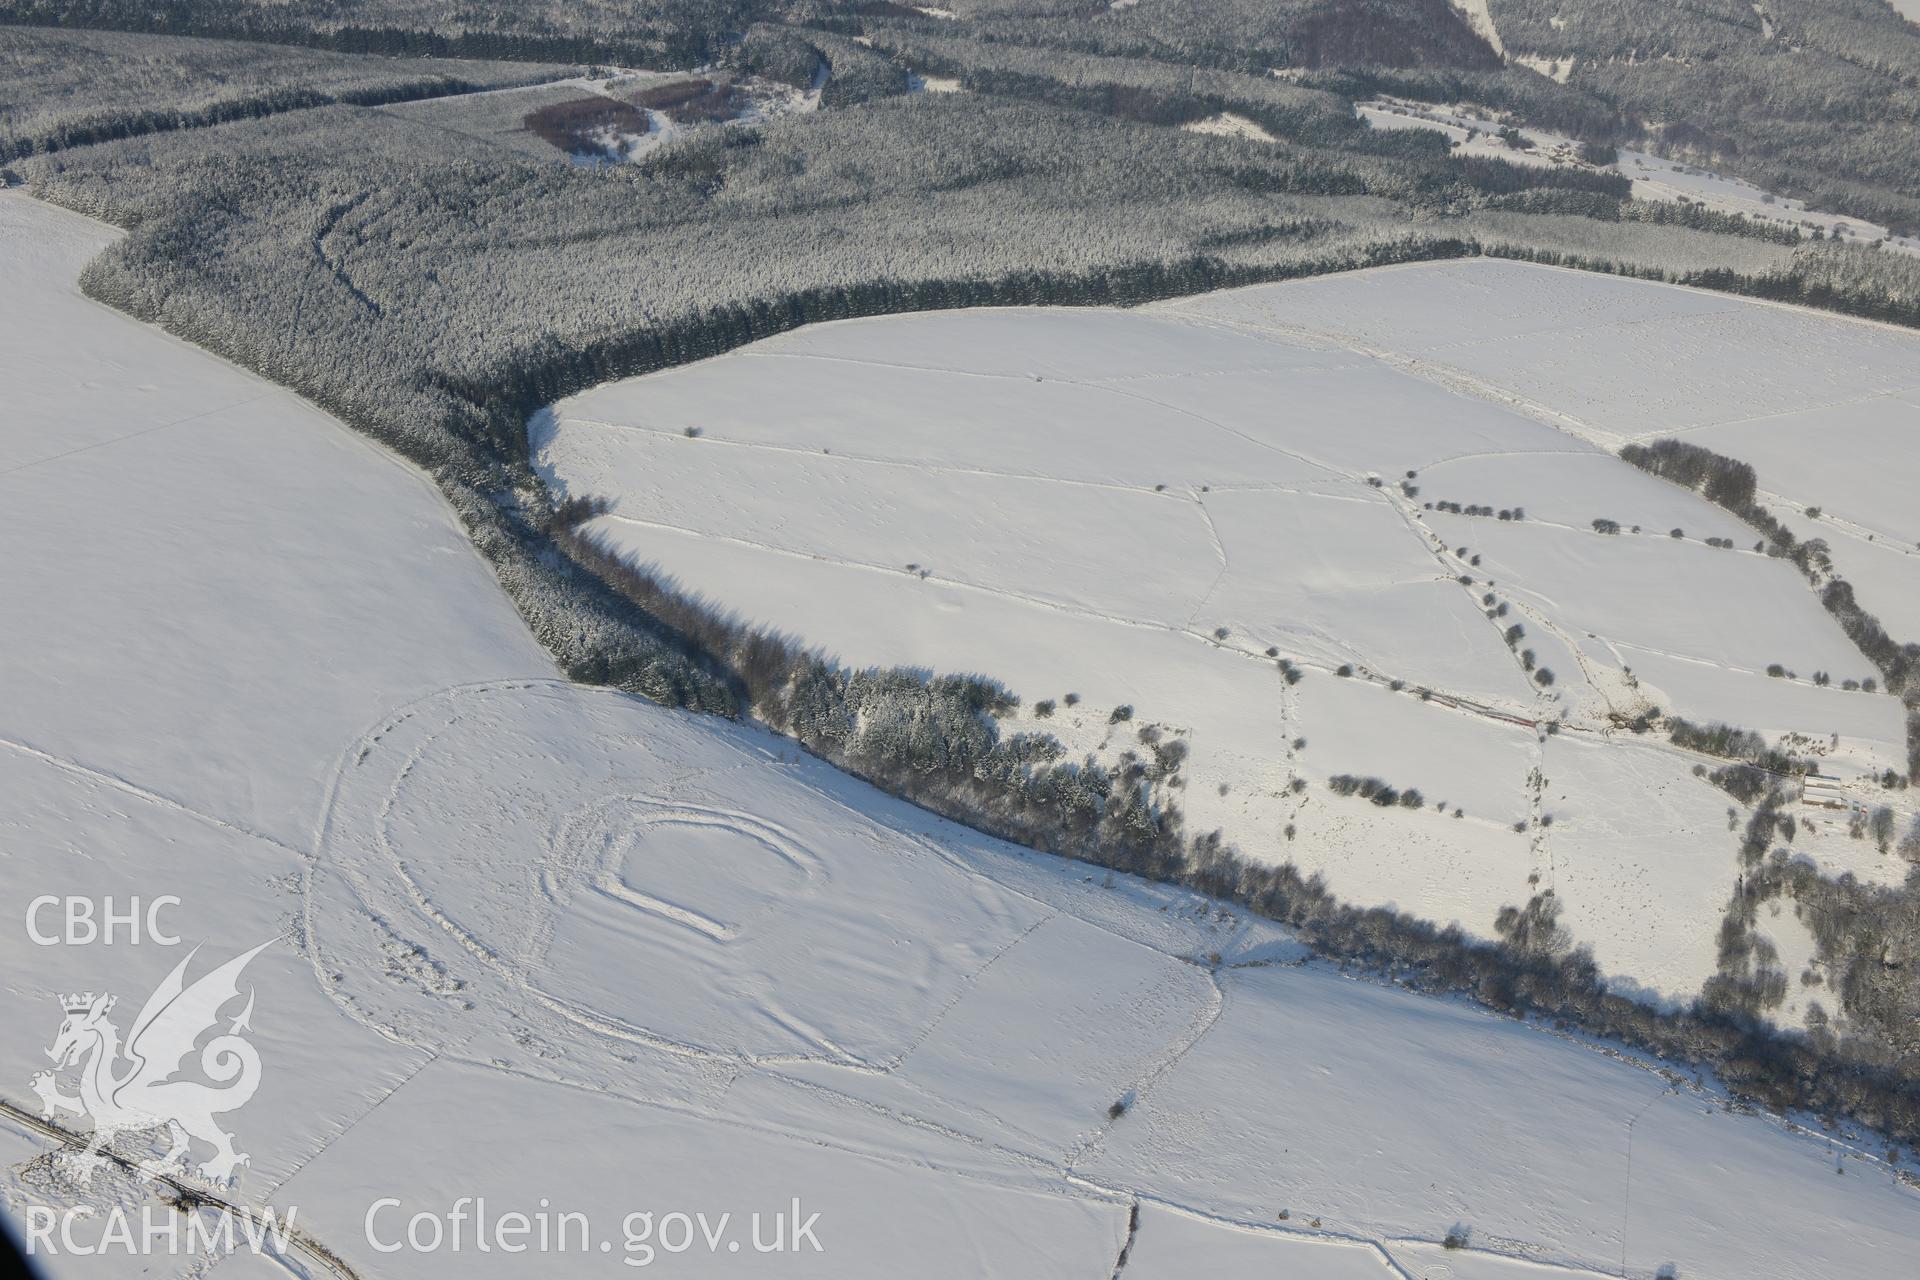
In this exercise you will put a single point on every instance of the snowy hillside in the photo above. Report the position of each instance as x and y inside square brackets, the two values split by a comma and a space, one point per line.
[548, 943]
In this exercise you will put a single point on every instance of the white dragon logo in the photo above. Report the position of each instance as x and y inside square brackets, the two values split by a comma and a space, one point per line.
[144, 1095]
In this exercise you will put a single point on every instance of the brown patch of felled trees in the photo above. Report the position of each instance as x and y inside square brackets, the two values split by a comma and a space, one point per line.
[586, 125]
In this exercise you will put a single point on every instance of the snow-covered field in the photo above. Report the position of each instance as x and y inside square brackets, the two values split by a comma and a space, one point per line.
[1825, 409]
[1141, 507]
[1473, 132]
[205, 554]
[567, 952]
[212, 588]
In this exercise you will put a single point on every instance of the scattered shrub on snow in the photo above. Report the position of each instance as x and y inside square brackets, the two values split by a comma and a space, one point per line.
[1880, 827]
[1735, 744]
[1744, 782]
[1373, 789]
